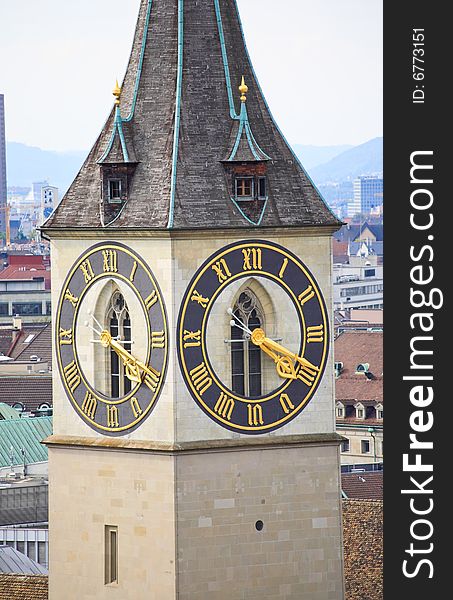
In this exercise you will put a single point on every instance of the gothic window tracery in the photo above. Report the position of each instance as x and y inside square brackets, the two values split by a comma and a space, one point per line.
[246, 356]
[119, 324]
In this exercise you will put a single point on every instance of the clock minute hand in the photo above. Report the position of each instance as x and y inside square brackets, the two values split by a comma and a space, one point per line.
[132, 364]
[271, 345]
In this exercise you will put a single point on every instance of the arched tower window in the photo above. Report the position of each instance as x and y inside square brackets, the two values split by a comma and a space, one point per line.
[119, 324]
[245, 356]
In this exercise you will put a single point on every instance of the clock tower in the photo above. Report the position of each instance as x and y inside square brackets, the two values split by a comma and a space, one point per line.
[194, 453]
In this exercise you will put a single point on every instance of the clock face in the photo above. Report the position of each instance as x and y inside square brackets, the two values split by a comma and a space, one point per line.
[253, 336]
[111, 338]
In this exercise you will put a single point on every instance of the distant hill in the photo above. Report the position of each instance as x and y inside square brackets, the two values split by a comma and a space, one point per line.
[366, 159]
[26, 164]
[312, 156]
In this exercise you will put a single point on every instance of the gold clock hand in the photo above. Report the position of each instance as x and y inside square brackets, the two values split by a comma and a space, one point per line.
[285, 366]
[132, 364]
[259, 338]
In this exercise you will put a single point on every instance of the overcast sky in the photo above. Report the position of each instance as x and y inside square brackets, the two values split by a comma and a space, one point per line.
[319, 63]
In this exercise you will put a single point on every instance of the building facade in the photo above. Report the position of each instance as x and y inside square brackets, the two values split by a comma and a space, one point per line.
[3, 185]
[191, 292]
[368, 195]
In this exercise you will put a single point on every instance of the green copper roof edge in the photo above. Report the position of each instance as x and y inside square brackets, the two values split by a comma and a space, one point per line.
[226, 66]
[257, 223]
[272, 117]
[140, 62]
[117, 127]
[134, 99]
[253, 145]
[177, 112]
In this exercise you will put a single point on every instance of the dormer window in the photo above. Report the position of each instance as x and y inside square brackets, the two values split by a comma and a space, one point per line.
[244, 188]
[262, 188]
[362, 368]
[379, 411]
[115, 190]
[340, 411]
[359, 411]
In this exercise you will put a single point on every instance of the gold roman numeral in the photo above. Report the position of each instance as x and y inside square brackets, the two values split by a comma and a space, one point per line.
[89, 405]
[191, 339]
[72, 375]
[158, 339]
[255, 415]
[65, 337]
[112, 416]
[110, 261]
[152, 379]
[306, 295]
[307, 372]
[69, 296]
[196, 297]
[221, 270]
[151, 300]
[87, 270]
[134, 269]
[315, 334]
[252, 259]
[200, 378]
[136, 408]
[224, 406]
[283, 269]
[286, 403]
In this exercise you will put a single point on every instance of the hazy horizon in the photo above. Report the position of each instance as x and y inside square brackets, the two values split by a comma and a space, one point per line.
[319, 64]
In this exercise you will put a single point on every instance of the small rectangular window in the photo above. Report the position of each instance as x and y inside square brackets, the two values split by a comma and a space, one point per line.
[345, 446]
[114, 190]
[262, 188]
[370, 272]
[244, 187]
[111, 554]
[365, 446]
[3, 308]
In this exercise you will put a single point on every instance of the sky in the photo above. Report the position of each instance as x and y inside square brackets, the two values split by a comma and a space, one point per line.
[319, 63]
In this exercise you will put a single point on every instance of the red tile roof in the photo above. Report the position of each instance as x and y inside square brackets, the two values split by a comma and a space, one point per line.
[365, 486]
[23, 587]
[353, 348]
[363, 549]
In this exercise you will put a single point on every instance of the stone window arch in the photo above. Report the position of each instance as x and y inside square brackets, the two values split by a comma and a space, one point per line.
[246, 371]
[118, 323]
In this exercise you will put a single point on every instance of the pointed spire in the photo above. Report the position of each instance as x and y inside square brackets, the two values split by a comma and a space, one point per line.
[243, 88]
[157, 125]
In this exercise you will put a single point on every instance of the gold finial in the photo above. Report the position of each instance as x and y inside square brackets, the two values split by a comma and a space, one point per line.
[117, 93]
[243, 89]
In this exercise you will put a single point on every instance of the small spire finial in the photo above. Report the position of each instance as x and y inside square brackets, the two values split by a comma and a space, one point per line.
[243, 88]
[117, 93]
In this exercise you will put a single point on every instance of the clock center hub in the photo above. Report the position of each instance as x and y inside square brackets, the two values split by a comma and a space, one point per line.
[258, 336]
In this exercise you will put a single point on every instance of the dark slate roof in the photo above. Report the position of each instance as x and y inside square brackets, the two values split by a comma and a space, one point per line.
[180, 122]
[39, 345]
[30, 390]
[350, 232]
[12, 561]
[23, 587]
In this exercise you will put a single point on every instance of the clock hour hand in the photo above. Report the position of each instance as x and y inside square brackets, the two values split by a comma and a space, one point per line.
[282, 356]
[132, 365]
